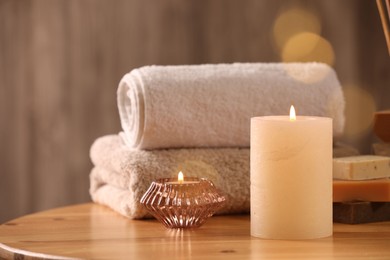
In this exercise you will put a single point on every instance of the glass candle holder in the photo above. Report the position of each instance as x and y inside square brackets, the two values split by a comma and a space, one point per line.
[186, 204]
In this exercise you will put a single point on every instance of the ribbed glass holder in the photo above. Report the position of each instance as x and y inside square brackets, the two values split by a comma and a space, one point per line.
[182, 205]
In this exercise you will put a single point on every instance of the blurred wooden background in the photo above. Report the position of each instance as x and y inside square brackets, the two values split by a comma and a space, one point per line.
[61, 61]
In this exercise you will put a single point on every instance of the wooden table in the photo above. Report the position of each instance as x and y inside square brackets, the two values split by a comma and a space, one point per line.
[95, 232]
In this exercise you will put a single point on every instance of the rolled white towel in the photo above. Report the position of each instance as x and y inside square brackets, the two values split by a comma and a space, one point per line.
[211, 105]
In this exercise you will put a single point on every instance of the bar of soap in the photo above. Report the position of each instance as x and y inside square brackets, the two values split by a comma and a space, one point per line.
[363, 167]
[366, 190]
[361, 212]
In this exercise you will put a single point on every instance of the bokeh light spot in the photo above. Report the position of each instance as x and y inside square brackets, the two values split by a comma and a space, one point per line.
[292, 22]
[359, 112]
[306, 47]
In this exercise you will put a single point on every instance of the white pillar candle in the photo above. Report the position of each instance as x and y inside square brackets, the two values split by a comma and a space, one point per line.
[291, 177]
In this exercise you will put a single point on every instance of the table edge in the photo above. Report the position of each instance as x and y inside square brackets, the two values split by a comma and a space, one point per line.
[8, 252]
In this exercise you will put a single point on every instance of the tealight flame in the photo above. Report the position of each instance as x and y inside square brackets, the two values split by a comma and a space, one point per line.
[293, 117]
[180, 177]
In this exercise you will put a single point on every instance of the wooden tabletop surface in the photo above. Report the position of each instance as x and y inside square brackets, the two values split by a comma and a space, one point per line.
[95, 232]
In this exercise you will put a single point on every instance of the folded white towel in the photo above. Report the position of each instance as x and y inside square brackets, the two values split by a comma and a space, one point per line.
[121, 200]
[122, 175]
[211, 105]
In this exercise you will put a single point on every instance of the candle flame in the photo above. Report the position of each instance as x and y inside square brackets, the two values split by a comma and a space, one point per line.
[180, 177]
[293, 117]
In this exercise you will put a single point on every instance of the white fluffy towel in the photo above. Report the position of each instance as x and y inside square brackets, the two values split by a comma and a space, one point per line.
[122, 175]
[211, 105]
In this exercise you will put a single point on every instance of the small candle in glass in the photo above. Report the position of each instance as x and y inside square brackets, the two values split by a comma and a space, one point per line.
[185, 202]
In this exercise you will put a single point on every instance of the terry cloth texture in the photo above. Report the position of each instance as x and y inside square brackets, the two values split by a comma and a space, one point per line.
[211, 105]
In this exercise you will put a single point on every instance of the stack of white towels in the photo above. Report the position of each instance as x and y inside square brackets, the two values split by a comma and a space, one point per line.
[196, 119]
